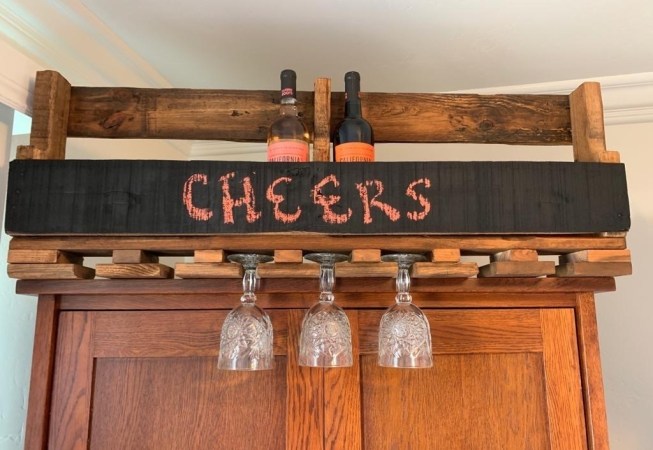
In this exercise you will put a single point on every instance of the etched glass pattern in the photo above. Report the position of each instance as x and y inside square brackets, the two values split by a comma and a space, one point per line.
[246, 339]
[325, 339]
[404, 337]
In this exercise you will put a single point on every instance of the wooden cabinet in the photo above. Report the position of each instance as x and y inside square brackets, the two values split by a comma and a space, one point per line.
[508, 373]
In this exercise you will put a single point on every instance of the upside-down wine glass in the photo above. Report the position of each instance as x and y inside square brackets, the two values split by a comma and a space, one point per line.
[246, 338]
[325, 338]
[404, 332]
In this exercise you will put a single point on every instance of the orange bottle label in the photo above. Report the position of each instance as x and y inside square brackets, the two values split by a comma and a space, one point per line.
[288, 151]
[354, 152]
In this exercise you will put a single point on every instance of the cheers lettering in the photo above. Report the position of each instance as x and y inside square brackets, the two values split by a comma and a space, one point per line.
[326, 194]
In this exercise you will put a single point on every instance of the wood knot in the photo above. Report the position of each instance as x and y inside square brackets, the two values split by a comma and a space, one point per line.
[486, 125]
[115, 120]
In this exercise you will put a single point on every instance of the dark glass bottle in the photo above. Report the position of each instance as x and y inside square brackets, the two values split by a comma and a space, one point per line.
[288, 136]
[353, 137]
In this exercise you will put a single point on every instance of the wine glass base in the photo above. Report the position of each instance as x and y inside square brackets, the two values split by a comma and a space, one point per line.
[327, 258]
[249, 260]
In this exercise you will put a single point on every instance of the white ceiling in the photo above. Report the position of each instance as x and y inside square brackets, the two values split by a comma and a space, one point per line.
[397, 45]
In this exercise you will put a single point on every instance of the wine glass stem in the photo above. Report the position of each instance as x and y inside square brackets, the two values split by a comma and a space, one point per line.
[403, 285]
[327, 281]
[249, 286]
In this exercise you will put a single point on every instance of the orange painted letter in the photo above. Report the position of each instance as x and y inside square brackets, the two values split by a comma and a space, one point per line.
[327, 201]
[392, 213]
[228, 203]
[278, 199]
[414, 215]
[194, 212]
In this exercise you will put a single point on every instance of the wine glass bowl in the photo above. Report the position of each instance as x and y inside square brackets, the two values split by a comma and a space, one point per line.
[404, 331]
[325, 338]
[246, 339]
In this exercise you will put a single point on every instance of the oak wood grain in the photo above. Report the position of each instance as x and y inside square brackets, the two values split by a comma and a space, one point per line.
[594, 269]
[587, 128]
[288, 256]
[597, 256]
[133, 256]
[38, 271]
[321, 119]
[444, 270]
[208, 270]
[43, 257]
[445, 255]
[128, 271]
[517, 269]
[209, 256]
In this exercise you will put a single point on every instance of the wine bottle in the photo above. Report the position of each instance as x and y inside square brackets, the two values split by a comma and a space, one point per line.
[288, 136]
[353, 137]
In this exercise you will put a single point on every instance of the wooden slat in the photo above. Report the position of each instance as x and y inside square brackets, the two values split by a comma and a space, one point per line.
[40, 391]
[103, 245]
[209, 256]
[594, 269]
[322, 115]
[587, 128]
[445, 255]
[145, 270]
[562, 375]
[43, 257]
[289, 270]
[508, 119]
[517, 269]
[481, 331]
[610, 156]
[288, 256]
[597, 256]
[133, 256]
[369, 255]
[444, 270]
[232, 115]
[354, 270]
[342, 400]
[590, 369]
[306, 285]
[208, 270]
[49, 271]
[50, 107]
[516, 254]
[305, 401]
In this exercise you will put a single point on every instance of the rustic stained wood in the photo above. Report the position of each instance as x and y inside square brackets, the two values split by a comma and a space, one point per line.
[145, 270]
[288, 256]
[322, 116]
[209, 256]
[48, 271]
[43, 257]
[289, 270]
[517, 269]
[104, 245]
[594, 269]
[587, 129]
[208, 270]
[365, 270]
[133, 256]
[592, 256]
[369, 255]
[444, 270]
[516, 254]
[198, 114]
[449, 255]
[50, 117]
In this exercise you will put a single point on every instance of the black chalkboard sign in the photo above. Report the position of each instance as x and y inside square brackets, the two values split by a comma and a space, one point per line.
[201, 197]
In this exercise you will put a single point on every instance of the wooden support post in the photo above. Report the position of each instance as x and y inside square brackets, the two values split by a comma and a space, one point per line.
[587, 127]
[516, 263]
[49, 118]
[322, 119]
[288, 256]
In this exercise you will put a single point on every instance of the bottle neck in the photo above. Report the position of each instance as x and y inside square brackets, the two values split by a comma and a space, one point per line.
[352, 98]
[288, 106]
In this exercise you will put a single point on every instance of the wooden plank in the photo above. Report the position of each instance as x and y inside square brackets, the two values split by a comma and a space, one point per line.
[590, 370]
[357, 270]
[362, 255]
[444, 270]
[212, 114]
[342, 400]
[114, 197]
[209, 256]
[208, 270]
[321, 119]
[50, 107]
[507, 119]
[40, 391]
[288, 256]
[587, 128]
[516, 254]
[308, 286]
[49, 271]
[145, 270]
[451, 255]
[594, 269]
[289, 270]
[133, 256]
[610, 156]
[184, 245]
[305, 401]
[72, 388]
[517, 269]
[43, 257]
[592, 256]
[562, 375]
